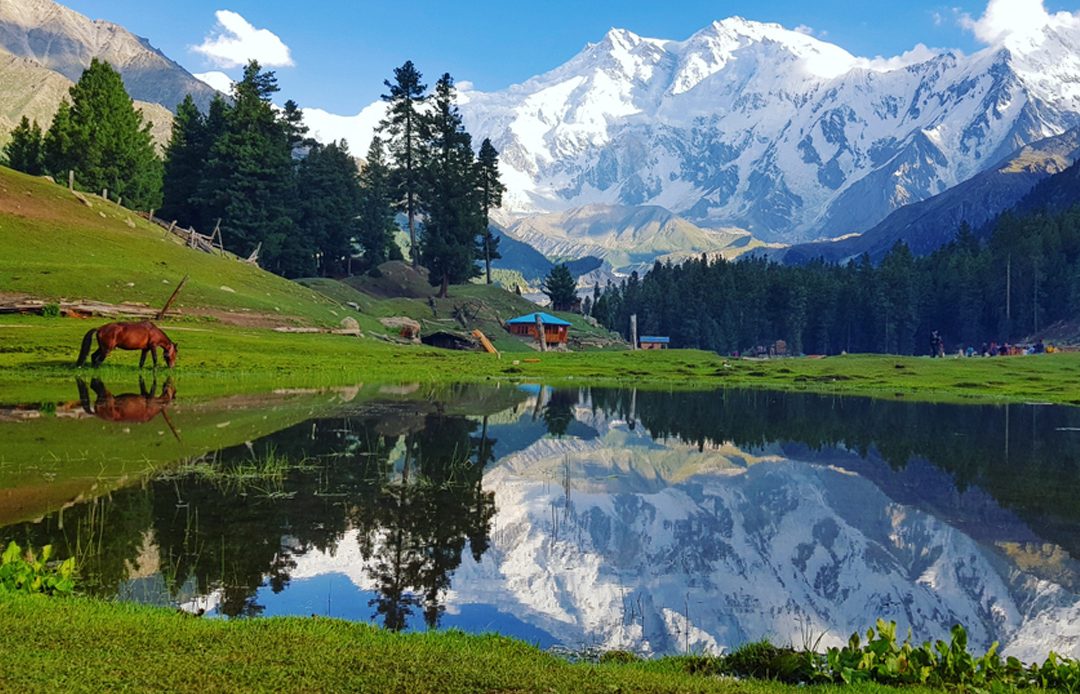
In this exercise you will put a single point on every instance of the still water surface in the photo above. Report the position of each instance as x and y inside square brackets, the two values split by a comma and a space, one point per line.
[652, 521]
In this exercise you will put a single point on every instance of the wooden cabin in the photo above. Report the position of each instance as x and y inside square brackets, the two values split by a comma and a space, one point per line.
[654, 342]
[555, 329]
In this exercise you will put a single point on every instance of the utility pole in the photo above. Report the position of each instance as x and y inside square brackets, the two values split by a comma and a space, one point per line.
[1035, 297]
[1008, 296]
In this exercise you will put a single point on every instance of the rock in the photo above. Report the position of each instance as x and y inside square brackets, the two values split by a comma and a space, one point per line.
[349, 324]
[227, 289]
[406, 327]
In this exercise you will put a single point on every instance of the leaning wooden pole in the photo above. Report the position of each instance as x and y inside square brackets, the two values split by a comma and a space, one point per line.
[165, 308]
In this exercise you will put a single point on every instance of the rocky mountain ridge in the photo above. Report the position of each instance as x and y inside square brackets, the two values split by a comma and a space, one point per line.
[64, 41]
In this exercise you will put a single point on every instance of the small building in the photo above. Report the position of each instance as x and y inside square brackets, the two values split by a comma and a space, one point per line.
[654, 342]
[555, 329]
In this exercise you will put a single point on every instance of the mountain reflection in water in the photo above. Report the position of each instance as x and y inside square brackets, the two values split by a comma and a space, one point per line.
[625, 519]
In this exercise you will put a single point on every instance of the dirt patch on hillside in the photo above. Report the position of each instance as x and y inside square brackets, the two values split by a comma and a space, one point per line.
[246, 319]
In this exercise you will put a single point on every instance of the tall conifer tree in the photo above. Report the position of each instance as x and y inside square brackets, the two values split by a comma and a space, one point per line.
[103, 137]
[25, 152]
[330, 202]
[185, 157]
[491, 190]
[376, 225]
[405, 132]
[452, 202]
[249, 179]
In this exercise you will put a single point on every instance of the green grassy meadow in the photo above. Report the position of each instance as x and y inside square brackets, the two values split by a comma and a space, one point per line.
[81, 645]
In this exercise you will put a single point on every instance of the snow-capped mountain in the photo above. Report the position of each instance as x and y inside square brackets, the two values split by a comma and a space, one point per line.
[751, 125]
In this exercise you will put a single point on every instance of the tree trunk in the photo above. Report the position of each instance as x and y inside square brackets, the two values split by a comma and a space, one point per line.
[487, 255]
[445, 289]
[412, 237]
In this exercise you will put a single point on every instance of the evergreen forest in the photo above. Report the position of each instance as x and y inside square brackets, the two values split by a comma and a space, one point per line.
[1024, 277]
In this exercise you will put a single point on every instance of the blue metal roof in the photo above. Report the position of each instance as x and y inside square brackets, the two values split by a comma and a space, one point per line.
[531, 318]
[654, 339]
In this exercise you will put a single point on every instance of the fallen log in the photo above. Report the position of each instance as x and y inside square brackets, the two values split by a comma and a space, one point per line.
[80, 309]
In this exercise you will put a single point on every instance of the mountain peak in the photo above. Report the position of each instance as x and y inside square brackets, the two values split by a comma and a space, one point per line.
[65, 41]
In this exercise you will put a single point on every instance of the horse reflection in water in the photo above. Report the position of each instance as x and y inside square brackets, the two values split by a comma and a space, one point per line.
[138, 407]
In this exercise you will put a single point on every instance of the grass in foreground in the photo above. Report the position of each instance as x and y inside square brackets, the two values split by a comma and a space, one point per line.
[81, 645]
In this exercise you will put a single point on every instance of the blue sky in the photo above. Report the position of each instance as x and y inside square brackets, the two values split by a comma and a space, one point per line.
[341, 50]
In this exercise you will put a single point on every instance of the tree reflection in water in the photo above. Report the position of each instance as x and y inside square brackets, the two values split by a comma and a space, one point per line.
[235, 521]
[407, 478]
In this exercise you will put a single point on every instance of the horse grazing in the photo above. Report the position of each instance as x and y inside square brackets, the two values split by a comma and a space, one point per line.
[145, 336]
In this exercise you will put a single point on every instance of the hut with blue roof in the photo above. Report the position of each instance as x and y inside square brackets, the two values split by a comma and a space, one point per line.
[555, 329]
[654, 342]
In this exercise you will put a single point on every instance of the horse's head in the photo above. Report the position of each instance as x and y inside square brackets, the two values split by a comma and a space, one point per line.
[170, 354]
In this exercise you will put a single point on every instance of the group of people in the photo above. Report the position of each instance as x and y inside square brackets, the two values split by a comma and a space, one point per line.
[989, 349]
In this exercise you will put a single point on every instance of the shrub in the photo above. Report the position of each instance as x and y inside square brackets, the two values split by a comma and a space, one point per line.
[30, 574]
[50, 310]
[762, 660]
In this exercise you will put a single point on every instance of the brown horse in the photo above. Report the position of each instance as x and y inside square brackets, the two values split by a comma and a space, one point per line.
[145, 336]
[138, 407]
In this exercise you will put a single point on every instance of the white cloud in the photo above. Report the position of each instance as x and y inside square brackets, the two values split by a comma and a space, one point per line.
[234, 41]
[1005, 18]
[358, 130]
[810, 31]
[919, 54]
[218, 80]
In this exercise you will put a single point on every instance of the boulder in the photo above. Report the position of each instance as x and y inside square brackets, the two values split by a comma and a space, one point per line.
[406, 327]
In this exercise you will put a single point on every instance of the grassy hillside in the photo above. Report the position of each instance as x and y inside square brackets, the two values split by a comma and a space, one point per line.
[401, 291]
[55, 247]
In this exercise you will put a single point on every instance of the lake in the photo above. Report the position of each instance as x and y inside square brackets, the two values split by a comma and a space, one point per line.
[658, 522]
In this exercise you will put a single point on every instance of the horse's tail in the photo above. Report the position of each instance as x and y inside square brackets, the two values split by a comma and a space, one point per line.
[87, 342]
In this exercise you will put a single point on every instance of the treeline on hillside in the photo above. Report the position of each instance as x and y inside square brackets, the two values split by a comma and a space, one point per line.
[1025, 277]
[309, 208]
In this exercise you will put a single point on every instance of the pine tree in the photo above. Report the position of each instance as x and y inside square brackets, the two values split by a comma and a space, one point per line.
[59, 143]
[561, 288]
[404, 128]
[454, 215]
[330, 202]
[376, 225]
[102, 137]
[491, 190]
[25, 152]
[185, 157]
[249, 179]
